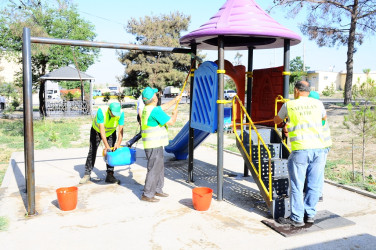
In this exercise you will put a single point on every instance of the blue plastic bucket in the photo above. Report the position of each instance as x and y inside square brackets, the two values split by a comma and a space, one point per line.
[121, 156]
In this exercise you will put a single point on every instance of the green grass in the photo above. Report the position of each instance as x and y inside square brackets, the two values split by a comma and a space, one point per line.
[47, 133]
[232, 148]
[4, 223]
[347, 177]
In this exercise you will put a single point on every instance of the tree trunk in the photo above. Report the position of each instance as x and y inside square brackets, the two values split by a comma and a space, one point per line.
[363, 156]
[350, 55]
[42, 99]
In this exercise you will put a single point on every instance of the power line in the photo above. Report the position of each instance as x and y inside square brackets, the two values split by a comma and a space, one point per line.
[106, 19]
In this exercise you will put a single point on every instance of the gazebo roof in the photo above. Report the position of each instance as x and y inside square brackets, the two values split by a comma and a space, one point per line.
[243, 24]
[66, 74]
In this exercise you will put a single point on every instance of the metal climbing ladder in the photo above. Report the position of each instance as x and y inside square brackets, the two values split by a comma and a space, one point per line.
[265, 154]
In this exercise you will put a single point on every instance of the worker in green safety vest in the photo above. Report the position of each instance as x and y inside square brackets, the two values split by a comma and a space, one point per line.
[305, 117]
[154, 122]
[103, 128]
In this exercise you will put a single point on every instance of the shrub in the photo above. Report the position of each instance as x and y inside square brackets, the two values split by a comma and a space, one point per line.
[329, 91]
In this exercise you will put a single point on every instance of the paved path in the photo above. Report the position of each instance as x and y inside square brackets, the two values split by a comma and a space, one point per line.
[113, 217]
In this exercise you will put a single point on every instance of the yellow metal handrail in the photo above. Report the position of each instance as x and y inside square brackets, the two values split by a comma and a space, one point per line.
[279, 99]
[259, 139]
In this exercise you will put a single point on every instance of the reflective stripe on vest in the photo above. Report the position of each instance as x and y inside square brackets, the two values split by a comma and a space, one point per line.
[326, 134]
[110, 123]
[152, 137]
[305, 123]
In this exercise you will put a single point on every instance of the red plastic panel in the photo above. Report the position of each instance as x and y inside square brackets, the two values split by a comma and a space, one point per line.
[267, 85]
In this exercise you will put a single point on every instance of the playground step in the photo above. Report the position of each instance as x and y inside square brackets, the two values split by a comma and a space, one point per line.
[268, 134]
[274, 148]
[280, 203]
[279, 168]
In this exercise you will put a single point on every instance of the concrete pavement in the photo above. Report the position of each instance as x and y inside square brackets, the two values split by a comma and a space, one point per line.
[110, 216]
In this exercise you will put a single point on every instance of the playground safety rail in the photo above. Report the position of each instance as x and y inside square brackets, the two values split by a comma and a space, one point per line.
[280, 99]
[260, 141]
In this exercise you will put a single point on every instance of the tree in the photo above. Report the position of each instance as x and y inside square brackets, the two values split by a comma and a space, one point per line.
[361, 118]
[59, 19]
[156, 69]
[336, 22]
[238, 59]
[297, 70]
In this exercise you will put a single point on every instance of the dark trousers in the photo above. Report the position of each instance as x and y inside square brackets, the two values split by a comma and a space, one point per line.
[95, 139]
[155, 176]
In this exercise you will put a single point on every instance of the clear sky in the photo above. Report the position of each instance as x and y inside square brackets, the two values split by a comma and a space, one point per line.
[110, 17]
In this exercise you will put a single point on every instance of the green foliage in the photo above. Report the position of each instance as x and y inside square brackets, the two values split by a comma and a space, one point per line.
[156, 69]
[329, 91]
[347, 177]
[12, 93]
[74, 85]
[68, 96]
[4, 223]
[297, 72]
[54, 19]
[361, 117]
[106, 96]
[15, 103]
[229, 83]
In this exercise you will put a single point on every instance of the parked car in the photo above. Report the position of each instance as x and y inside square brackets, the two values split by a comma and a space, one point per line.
[97, 92]
[229, 94]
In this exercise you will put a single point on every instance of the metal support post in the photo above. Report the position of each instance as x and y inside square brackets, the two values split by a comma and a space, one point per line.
[249, 94]
[28, 122]
[191, 130]
[221, 67]
[286, 68]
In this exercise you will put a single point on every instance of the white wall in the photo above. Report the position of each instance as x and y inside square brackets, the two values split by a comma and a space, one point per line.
[8, 69]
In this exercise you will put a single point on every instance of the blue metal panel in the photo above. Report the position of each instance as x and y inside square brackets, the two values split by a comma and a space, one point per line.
[205, 95]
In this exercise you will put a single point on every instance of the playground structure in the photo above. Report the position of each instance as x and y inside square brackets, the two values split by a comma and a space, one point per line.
[239, 25]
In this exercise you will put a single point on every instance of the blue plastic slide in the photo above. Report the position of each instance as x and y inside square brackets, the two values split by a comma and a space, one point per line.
[179, 145]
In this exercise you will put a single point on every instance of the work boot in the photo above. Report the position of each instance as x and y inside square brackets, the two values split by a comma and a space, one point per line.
[85, 179]
[110, 178]
[289, 221]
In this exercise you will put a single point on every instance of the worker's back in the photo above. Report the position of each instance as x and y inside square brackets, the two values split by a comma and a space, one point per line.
[305, 123]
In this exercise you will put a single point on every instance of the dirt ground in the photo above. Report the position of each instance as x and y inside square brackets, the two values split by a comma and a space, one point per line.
[342, 151]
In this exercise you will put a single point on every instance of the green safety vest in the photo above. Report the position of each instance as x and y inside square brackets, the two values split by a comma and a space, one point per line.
[110, 123]
[305, 123]
[326, 135]
[152, 137]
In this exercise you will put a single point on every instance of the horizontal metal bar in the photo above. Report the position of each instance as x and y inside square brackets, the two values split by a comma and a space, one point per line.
[45, 40]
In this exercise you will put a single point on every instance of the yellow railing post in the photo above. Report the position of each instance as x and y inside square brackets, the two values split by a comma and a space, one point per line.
[283, 100]
[259, 142]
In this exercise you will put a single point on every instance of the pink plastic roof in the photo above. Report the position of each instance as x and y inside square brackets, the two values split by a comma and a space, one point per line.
[243, 24]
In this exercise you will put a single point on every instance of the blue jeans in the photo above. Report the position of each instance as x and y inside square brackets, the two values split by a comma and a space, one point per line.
[325, 151]
[304, 164]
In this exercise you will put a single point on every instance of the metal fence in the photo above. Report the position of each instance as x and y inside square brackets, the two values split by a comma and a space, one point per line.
[67, 108]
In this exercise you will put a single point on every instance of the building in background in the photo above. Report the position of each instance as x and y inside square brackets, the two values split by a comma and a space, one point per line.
[320, 80]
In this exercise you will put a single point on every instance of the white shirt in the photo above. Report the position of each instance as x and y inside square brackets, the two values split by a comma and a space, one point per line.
[140, 104]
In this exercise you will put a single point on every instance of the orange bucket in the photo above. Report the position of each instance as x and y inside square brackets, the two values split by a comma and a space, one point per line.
[67, 198]
[201, 198]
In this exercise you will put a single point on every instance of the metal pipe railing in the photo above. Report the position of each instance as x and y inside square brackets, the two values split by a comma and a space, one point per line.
[280, 99]
[259, 142]
[46, 40]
